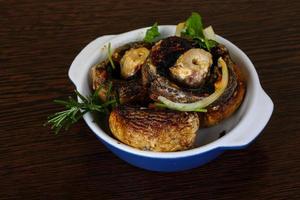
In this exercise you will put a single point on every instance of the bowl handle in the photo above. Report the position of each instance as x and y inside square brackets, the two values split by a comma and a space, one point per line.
[75, 71]
[253, 125]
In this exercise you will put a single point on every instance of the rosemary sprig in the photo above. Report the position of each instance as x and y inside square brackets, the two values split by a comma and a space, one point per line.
[75, 110]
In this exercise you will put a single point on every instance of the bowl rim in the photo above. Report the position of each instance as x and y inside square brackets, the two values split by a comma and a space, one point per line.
[225, 142]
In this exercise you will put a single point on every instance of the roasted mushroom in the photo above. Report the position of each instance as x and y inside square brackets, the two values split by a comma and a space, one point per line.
[165, 52]
[120, 51]
[161, 86]
[231, 99]
[192, 68]
[132, 61]
[152, 129]
[125, 91]
[222, 108]
[173, 69]
[99, 74]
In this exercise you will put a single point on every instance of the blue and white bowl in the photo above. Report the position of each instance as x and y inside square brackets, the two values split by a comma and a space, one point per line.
[241, 128]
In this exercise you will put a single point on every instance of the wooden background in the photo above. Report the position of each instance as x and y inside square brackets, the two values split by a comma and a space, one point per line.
[39, 40]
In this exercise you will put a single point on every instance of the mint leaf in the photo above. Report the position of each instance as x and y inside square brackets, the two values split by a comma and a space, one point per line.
[152, 33]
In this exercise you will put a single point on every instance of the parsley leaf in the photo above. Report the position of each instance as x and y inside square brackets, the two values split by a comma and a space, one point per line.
[193, 26]
[152, 33]
[193, 29]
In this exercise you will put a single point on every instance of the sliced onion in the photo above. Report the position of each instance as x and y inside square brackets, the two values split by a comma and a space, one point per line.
[198, 105]
[209, 33]
[179, 28]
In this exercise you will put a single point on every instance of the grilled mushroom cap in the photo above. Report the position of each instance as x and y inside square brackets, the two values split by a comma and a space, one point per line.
[229, 102]
[192, 67]
[154, 130]
[131, 91]
[120, 51]
[161, 86]
[165, 52]
[130, 56]
[99, 74]
[132, 61]
[221, 109]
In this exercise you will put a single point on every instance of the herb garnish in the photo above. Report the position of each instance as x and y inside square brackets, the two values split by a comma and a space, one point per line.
[193, 29]
[152, 33]
[75, 110]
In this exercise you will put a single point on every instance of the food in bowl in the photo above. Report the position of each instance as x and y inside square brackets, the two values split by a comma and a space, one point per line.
[158, 93]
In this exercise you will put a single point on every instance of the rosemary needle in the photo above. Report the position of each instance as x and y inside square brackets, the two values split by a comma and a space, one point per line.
[75, 110]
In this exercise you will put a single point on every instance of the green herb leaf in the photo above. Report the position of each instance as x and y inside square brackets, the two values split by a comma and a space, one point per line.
[152, 33]
[194, 30]
[109, 56]
[211, 43]
[193, 26]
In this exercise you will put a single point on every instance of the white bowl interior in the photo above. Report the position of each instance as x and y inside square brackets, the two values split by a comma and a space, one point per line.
[206, 136]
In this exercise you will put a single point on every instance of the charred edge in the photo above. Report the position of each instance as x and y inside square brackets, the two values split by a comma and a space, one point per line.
[163, 87]
[151, 120]
[165, 53]
[225, 107]
[131, 91]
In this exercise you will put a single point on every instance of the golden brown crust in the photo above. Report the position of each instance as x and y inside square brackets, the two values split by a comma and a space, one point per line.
[153, 129]
[217, 113]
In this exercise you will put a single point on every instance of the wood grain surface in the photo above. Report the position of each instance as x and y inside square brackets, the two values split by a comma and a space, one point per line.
[39, 40]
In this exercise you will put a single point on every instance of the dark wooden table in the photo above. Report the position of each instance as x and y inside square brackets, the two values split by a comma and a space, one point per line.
[39, 40]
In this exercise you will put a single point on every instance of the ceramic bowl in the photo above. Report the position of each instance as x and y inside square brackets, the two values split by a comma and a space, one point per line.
[241, 128]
